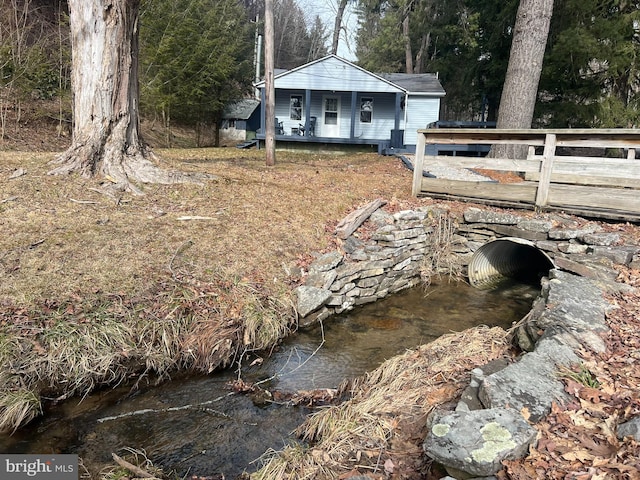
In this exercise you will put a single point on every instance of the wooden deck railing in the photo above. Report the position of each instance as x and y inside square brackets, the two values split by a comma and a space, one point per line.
[553, 177]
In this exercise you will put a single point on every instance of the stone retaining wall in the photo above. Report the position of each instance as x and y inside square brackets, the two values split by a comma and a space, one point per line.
[400, 247]
[367, 270]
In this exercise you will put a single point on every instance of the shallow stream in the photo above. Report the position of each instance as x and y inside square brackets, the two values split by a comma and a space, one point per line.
[196, 426]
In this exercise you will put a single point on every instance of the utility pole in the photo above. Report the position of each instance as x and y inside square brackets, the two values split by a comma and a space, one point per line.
[269, 94]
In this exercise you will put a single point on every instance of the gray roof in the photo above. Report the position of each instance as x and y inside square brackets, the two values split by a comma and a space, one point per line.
[415, 82]
[241, 109]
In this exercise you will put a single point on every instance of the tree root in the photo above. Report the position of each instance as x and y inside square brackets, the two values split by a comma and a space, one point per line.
[124, 171]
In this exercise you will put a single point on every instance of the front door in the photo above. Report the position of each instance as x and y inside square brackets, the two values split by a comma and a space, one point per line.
[330, 117]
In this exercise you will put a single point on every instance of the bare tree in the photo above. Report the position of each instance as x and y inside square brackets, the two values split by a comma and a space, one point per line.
[105, 138]
[525, 65]
[338, 26]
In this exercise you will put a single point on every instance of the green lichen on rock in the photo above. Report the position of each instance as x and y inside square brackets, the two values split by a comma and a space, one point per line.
[496, 439]
[440, 429]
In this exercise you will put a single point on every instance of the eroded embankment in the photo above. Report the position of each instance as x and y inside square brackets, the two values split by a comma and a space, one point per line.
[70, 349]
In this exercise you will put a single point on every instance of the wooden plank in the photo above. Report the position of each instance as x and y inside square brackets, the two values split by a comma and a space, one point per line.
[602, 138]
[418, 165]
[580, 179]
[501, 164]
[546, 168]
[512, 192]
[609, 161]
[544, 131]
[610, 170]
[479, 139]
[619, 199]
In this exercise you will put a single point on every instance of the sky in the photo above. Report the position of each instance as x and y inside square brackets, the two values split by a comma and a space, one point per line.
[326, 10]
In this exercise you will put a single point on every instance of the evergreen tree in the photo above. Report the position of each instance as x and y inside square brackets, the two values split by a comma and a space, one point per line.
[196, 56]
[465, 41]
[591, 76]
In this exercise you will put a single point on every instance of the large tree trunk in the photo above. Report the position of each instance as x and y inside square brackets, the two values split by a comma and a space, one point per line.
[408, 53]
[523, 73]
[106, 139]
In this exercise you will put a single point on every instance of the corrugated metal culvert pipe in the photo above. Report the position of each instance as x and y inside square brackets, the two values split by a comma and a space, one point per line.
[508, 257]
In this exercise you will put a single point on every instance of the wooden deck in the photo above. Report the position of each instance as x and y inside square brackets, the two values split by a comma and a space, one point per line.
[554, 176]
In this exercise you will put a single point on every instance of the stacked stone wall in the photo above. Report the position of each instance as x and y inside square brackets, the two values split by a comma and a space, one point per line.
[399, 248]
[363, 271]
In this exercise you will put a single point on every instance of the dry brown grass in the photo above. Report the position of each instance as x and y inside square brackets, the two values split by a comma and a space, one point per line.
[185, 277]
[258, 220]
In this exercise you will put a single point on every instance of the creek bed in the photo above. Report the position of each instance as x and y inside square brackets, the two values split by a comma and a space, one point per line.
[195, 426]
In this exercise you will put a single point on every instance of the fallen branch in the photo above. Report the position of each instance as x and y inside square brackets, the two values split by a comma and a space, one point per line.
[195, 217]
[278, 374]
[83, 202]
[131, 467]
[164, 410]
[179, 250]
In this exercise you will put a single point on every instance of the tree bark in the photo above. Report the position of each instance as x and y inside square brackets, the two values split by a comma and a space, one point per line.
[105, 138]
[338, 26]
[520, 88]
[408, 53]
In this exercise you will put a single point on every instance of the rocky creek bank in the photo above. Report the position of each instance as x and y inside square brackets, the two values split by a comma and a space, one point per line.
[495, 418]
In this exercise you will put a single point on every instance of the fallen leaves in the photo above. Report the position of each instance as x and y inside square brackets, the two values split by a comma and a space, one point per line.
[578, 440]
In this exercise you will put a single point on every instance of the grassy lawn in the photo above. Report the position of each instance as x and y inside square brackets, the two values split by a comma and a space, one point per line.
[95, 289]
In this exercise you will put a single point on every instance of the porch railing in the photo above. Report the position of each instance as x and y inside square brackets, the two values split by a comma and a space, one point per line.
[590, 172]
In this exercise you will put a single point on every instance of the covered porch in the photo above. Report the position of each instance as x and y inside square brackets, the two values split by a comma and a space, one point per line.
[337, 117]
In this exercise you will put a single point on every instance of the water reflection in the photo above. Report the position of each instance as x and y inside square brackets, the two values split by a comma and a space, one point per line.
[195, 427]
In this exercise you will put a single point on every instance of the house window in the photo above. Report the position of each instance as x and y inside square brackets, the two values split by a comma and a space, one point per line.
[295, 107]
[366, 109]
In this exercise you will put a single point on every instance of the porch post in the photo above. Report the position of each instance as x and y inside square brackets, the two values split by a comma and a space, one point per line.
[262, 116]
[396, 122]
[354, 103]
[307, 112]
[262, 110]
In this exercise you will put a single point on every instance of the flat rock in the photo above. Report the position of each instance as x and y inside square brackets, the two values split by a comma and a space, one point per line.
[310, 299]
[573, 302]
[476, 215]
[477, 442]
[326, 262]
[529, 385]
[600, 238]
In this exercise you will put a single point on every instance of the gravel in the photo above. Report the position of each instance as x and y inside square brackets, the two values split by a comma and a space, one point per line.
[451, 173]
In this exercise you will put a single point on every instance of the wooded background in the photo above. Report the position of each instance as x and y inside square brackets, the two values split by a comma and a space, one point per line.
[196, 55]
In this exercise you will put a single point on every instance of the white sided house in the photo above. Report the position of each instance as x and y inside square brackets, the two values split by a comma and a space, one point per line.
[333, 101]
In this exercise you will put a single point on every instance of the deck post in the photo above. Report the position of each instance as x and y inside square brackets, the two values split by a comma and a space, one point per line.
[548, 156]
[418, 165]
